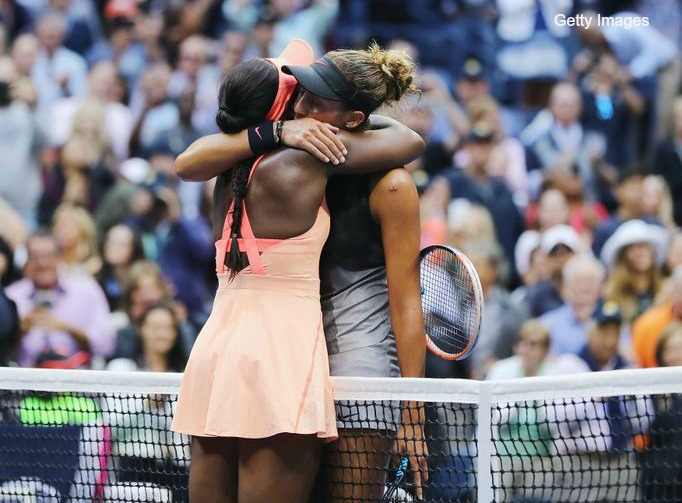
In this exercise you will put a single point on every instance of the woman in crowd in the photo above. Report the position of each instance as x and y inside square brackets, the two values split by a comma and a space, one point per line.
[634, 255]
[75, 230]
[159, 347]
[121, 248]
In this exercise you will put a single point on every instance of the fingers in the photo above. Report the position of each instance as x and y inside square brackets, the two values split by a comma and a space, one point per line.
[323, 144]
[316, 138]
[417, 479]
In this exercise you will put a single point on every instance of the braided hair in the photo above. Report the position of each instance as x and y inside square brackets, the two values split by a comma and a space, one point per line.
[244, 99]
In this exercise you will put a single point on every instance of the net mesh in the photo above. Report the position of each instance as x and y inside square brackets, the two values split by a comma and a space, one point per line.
[84, 436]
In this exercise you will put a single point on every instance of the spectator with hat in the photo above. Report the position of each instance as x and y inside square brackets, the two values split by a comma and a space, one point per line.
[529, 261]
[603, 337]
[628, 193]
[634, 256]
[558, 244]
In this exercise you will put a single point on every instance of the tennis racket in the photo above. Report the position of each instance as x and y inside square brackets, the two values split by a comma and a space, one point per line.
[399, 475]
[452, 301]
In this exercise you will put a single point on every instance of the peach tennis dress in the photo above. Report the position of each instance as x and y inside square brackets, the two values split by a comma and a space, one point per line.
[259, 366]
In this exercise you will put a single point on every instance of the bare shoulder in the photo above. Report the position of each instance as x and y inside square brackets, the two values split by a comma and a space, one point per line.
[396, 182]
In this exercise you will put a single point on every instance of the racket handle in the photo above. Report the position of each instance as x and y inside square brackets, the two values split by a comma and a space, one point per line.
[399, 474]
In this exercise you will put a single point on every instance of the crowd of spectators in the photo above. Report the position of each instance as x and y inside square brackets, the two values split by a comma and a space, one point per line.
[544, 142]
[554, 160]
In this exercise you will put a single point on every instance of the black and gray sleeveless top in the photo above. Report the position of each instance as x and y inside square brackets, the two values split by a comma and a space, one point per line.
[354, 291]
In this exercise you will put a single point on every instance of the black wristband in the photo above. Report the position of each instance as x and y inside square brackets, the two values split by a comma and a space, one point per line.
[262, 138]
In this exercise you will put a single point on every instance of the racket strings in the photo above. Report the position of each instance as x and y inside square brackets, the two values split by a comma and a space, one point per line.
[450, 305]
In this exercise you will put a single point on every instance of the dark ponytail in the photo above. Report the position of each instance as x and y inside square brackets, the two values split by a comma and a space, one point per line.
[245, 97]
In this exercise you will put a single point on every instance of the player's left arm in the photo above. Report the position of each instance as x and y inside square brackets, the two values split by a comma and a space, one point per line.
[395, 205]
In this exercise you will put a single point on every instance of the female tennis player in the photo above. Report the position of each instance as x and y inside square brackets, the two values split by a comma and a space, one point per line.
[256, 395]
[372, 255]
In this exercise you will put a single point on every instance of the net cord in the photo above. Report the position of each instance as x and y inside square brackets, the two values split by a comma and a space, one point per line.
[594, 384]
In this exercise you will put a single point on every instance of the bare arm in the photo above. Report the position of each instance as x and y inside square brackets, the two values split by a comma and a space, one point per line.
[387, 144]
[395, 204]
[214, 154]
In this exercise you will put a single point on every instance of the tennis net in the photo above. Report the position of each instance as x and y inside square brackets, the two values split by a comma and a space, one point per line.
[84, 436]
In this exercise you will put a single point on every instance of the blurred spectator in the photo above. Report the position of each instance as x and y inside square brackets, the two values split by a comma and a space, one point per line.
[551, 209]
[169, 143]
[153, 108]
[669, 346]
[24, 55]
[610, 106]
[79, 33]
[310, 21]
[558, 244]
[120, 200]
[532, 43]
[473, 182]
[527, 437]
[646, 54]
[470, 223]
[672, 260]
[508, 159]
[634, 255]
[121, 45]
[603, 339]
[195, 76]
[503, 318]
[9, 272]
[232, 51]
[657, 203]
[146, 286]
[647, 329]
[582, 281]
[532, 356]
[10, 332]
[183, 248]
[530, 264]
[74, 229]
[103, 86]
[51, 307]
[21, 140]
[57, 72]
[159, 346]
[629, 196]
[668, 160]
[564, 143]
[121, 248]
[86, 164]
[15, 18]
[471, 83]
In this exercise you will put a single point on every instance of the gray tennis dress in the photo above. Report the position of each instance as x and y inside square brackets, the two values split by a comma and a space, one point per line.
[355, 306]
